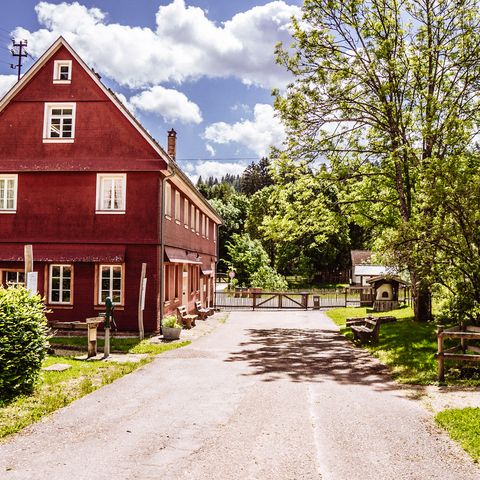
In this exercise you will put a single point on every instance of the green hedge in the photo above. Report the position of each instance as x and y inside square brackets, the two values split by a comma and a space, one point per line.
[23, 341]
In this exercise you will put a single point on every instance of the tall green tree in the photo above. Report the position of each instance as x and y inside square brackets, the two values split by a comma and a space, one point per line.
[385, 92]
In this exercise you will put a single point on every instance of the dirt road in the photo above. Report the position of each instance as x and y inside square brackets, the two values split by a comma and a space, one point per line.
[265, 396]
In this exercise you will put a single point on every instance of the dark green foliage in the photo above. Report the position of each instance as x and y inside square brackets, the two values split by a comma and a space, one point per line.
[23, 341]
[255, 177]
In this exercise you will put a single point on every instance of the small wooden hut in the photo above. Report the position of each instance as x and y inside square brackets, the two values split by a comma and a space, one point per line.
[386, 292]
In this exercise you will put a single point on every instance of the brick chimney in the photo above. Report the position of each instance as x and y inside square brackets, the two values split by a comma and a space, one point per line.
[172, 143]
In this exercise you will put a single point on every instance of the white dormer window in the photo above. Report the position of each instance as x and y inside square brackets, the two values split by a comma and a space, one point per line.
[59, 122]
[62, 71]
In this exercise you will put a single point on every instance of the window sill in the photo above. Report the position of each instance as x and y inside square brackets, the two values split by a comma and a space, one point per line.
[60, 306]
[168, 217]
[186, 226]
[177, 222]
[110, 212]
[58, 140]
[61, 82]
[8, 211]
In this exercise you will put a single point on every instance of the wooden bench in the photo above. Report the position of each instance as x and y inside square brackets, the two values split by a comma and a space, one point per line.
[366, 330]
[203, 313]
[187, 319]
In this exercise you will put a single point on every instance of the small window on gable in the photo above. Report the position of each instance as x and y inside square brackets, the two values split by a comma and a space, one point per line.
[59, 122]
[62, 71]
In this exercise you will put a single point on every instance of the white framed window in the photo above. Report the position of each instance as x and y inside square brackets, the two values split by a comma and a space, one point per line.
[168, 200]
[110, 283]
[197, 227]
[59, 123]
[192, 217]
[207, 227]
[62, 71]
[177, 206]
[203, 225]
[111, 192]
[60, 284]
[186, 209]
[214, 232]
[15, 278]
[8, 193]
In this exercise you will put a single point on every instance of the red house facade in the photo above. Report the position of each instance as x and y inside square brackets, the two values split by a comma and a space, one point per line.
[96, 196]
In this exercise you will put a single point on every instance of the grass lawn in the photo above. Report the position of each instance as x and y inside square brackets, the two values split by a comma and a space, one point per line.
[463, 425]
[122, 345]
[57, 389]
[406, 346]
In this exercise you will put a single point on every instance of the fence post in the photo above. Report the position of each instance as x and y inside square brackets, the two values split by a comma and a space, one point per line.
[280, 300]
[346, 296]
[254, 300]
[440, 355]
[305, 300]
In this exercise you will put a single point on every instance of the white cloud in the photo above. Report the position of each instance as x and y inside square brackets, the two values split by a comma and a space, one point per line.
[210, 149]
[171, 104]
[258, 134]
[6, 83]
[125, 102]
[186, 44]
[210, 168]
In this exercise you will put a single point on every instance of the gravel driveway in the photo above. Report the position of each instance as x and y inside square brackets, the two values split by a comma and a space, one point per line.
[265, 396]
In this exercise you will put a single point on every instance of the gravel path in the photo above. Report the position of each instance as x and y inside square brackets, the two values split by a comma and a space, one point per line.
[265, 396]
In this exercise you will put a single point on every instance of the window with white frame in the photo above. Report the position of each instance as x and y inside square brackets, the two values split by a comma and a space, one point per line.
[168, 200]
[177, 206]
[60, 290]
[203, 225]
[111, 192]
[185, 212]
[197, 228]
[214, 232]
[111, 283]
[207, 228]
[192, 217]
[8, 193]
[59, 122]
[62, 71]
[15, 278]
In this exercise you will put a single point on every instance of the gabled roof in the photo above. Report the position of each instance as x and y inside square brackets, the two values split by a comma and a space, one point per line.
[61, 42]
[171, 164]
[360, 257]
[392, 278]
[369, 270]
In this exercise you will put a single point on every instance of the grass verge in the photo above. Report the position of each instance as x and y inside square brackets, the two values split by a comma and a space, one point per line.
[57, 389]
[463, 425]
[407, 347]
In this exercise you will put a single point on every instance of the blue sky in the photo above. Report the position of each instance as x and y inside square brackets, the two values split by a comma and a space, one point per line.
[203, 67]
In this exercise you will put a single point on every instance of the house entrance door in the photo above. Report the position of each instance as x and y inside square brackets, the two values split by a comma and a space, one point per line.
[185, 285]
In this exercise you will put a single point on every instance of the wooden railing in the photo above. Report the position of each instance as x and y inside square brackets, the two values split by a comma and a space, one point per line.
[466, 335]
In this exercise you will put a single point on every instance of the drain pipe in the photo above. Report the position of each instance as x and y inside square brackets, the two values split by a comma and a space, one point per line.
[162, 248]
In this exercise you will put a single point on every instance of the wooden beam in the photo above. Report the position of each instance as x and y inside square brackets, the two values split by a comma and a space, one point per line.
[141, 299]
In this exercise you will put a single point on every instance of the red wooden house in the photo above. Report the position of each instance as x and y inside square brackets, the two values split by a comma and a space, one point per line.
[97, 196]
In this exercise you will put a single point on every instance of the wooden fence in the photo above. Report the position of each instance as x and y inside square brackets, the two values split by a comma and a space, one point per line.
[465, 351]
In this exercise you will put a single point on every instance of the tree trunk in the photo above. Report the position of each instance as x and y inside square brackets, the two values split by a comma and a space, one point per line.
[422, 300]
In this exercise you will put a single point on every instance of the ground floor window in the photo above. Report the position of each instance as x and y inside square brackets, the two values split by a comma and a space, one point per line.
[60, 283]
[16, 278]
[110, 283]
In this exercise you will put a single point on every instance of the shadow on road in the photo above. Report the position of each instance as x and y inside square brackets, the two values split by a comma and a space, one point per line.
[309, 356]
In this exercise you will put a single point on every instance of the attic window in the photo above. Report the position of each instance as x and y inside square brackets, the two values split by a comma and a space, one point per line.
[62, 71]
